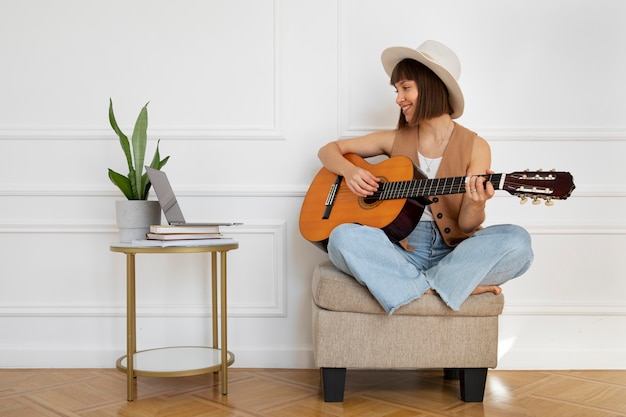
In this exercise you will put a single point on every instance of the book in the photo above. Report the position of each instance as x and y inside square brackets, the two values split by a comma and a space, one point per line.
[160, 228]
[182, 242]
[182, 236]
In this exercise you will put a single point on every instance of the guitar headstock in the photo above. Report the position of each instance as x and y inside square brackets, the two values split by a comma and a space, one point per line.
[546, 185]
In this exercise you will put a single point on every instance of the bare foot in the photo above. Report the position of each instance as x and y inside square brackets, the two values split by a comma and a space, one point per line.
[487, 288]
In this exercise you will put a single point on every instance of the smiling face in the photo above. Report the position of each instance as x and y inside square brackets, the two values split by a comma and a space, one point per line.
[413, 80]
[406, 98]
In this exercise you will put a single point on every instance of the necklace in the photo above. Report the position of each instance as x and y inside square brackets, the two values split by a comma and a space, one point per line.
[429, 161]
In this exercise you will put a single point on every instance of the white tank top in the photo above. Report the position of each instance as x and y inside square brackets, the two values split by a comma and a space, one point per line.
[429, 167]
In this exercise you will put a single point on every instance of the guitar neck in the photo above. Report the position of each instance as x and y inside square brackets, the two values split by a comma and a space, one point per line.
[430, 187]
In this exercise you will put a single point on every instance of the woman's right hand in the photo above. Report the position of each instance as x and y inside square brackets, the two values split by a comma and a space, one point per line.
[361, 182]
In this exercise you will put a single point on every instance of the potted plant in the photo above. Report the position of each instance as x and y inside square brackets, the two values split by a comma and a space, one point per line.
[136, 213]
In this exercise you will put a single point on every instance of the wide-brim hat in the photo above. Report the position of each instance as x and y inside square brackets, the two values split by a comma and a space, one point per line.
[440, 59]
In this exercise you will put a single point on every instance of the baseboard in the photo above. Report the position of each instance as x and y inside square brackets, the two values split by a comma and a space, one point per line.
[302, 358]
[297, 358]
[562, 359]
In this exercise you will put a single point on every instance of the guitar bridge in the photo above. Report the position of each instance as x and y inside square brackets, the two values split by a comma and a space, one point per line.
[330, 198]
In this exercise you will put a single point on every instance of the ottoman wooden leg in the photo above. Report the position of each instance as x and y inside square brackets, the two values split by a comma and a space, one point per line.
[333, 383]
[451, 373]
[472, 382]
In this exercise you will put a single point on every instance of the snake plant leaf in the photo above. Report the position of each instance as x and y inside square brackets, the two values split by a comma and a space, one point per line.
[145, 185]
[133, 184]
[122, 182]
[136, 185]
[139, 141]
[156, 162]
[163, 162]
[123, 138]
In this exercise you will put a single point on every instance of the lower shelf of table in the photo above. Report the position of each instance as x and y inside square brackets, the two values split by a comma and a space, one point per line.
[176, 361]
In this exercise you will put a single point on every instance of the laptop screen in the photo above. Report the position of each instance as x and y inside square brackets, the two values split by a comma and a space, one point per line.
[166, 197]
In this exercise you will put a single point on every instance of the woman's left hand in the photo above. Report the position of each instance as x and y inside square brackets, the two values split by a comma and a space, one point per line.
[478, 189]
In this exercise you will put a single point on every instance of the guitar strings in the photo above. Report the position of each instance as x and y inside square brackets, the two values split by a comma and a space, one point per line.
[413, 188]
[443, 186]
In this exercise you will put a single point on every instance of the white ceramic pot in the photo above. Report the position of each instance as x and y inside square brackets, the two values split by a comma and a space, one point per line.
[134, 218]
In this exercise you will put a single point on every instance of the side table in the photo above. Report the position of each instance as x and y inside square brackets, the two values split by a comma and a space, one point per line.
[177, 361]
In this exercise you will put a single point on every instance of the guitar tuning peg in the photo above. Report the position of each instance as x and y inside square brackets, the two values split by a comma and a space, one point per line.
[549, 202]
[524, 200]
[536, 201]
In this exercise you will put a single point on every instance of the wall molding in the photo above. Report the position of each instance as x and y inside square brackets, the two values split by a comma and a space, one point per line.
[523, 134]
[214, 191]
[575, 229]
[240, 190]
[173, 134]
[348, 128]
[273, 131]
[557, 134]
[181, 133]
[512, 308]
[276, 307]
[111, 228]
[185, 311]
[182, 311]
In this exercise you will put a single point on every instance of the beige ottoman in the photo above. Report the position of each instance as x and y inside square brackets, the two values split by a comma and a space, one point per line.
[351, 330]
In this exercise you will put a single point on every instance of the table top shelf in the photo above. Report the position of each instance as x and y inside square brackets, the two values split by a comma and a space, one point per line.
[176, 361]
[130, 248]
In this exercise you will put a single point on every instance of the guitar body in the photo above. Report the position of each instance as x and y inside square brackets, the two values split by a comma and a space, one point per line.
[397, 217]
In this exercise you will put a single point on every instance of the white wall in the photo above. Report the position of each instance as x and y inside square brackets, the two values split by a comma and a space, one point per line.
[242, 94]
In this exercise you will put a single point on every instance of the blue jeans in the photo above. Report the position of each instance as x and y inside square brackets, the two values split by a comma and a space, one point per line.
[492, 256]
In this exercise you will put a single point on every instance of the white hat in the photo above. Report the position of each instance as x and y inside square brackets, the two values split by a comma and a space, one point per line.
[440, 59]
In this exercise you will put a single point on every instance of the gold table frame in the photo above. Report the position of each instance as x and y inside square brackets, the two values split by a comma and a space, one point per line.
[226, 358]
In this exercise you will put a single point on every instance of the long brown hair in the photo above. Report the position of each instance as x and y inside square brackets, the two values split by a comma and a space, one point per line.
[432, 100]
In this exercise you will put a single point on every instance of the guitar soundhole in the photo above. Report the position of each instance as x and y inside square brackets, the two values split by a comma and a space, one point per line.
[373, 201]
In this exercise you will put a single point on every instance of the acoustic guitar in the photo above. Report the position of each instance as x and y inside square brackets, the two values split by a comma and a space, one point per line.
[402, 194]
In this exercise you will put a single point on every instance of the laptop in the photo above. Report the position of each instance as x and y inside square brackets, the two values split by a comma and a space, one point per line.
[167, 200]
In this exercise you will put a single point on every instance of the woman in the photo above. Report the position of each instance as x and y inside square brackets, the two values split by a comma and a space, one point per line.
[448, 252]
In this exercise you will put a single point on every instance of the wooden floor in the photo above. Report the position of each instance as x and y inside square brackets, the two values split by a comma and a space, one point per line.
[296, 393]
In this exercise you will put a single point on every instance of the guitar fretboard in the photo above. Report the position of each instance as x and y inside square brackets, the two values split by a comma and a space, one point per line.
[428, 187]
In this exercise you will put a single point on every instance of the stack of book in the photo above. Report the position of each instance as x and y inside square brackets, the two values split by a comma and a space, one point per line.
[183, 235]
